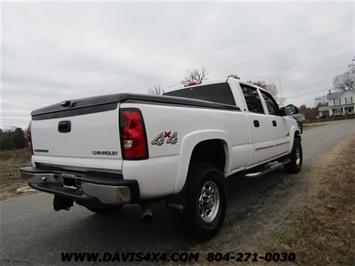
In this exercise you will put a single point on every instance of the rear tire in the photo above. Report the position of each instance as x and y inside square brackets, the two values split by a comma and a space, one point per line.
[296, 157]
[206, 201]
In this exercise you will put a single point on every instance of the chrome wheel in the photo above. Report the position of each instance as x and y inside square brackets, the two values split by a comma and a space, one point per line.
[206, 201]
[209, 201]
[298, 156]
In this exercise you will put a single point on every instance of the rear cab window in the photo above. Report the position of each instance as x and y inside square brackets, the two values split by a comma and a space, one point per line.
[218, 93]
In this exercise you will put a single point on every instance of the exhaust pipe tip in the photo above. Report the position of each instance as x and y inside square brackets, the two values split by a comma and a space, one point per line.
[147, 216]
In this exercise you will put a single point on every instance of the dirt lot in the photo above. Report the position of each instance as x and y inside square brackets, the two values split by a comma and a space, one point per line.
[321, 225]
[10, 178]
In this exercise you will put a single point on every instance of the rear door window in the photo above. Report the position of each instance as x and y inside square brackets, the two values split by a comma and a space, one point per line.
[252, 99]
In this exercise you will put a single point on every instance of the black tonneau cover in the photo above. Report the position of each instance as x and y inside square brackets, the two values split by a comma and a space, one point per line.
[109, 102]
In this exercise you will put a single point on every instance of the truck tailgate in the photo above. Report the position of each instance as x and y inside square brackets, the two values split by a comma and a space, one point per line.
[78, 133]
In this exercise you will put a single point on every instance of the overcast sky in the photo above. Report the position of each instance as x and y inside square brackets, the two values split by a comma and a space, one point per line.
[57, 51]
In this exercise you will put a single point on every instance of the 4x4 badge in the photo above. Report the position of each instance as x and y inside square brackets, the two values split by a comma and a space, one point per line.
[160, 139]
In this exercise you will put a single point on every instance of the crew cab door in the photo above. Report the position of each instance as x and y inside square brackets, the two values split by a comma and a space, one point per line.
[280, 130]
[261, 127]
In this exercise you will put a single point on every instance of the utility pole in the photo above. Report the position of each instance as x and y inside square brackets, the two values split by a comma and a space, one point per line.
[280, 88]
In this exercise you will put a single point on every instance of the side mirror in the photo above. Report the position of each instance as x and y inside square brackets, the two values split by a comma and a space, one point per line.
[289, 110]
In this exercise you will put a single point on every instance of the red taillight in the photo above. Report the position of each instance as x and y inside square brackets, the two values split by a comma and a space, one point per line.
[133, 137]
[29, 137]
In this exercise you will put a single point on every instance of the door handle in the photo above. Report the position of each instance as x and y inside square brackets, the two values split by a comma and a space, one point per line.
[256, 123]
[274, 123]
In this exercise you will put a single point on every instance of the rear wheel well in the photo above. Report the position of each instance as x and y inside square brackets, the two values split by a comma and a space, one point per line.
[210, 151]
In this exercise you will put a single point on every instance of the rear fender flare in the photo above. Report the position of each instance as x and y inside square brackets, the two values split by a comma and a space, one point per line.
[189, 142]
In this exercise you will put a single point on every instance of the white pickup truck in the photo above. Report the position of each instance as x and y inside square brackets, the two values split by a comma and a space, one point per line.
[107, 151]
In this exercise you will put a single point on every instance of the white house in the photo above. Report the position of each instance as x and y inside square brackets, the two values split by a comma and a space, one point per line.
[339, 103]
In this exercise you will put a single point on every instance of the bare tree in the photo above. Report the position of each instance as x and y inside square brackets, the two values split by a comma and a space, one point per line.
[233, 76]
[156, 90]
[319, 101]
[346, 81]
[308, 112]
[195, 75]
[271, 88]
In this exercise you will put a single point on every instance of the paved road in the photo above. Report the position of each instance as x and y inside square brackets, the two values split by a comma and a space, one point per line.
[33, 234]
[318, 141]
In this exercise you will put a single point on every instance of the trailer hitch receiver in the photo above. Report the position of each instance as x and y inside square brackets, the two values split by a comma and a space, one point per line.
[62, 203]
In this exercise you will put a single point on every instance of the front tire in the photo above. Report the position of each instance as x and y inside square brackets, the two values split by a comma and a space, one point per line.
[206, 201]
[296, 157]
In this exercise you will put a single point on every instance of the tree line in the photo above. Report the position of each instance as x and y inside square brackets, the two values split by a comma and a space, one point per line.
[12, 139]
